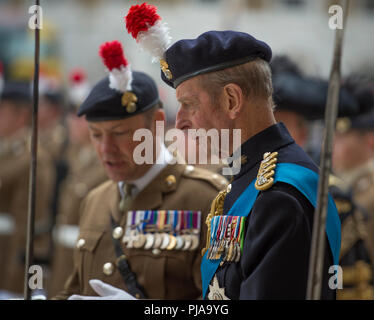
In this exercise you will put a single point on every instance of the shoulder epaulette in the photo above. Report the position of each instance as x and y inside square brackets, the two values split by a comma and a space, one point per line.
[215, 179]
[266, 171]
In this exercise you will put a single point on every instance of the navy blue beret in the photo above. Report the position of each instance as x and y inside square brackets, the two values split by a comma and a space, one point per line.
[363, 120]
[308, 96]
[104, 103]
[17, 91]
[212, 51]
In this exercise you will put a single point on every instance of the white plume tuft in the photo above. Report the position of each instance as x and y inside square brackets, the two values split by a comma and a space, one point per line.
[121, 79]
[156, 40]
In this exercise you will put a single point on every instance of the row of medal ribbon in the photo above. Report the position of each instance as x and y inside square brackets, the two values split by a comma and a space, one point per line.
[163, 229]
[226, 238]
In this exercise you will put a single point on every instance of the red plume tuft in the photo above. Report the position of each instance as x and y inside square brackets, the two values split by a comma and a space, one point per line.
[77, 76]
[141, 18]
[112, 55]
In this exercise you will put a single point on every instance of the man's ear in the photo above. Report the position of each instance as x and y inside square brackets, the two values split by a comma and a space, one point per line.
[232, 100]
[159, 115]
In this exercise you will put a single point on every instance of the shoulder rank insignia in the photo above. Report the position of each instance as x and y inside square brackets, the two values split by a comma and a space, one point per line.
[266, 171]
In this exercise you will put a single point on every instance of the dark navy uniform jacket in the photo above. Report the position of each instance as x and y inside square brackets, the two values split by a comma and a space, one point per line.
[275, 259]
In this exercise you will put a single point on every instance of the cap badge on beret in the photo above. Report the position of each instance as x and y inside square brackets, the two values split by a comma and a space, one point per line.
[165, 69]
[129, 100]
[145, 26]
[343, 124]
[120, 74]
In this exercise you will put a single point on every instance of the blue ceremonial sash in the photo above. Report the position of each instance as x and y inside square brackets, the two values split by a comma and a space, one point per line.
[303, 179]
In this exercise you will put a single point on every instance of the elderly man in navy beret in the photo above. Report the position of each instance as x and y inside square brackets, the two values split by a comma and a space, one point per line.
[260, 227]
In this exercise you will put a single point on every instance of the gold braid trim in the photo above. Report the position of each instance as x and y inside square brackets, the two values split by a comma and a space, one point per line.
[216, 209]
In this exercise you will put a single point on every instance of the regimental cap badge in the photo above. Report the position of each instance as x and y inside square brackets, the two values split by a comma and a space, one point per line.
[146, 27]
[129, 100]
[343, 125]
[120, 74]
[266, 171]
[165, 69]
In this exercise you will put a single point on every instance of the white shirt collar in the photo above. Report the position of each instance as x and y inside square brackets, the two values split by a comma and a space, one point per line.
[162, 161]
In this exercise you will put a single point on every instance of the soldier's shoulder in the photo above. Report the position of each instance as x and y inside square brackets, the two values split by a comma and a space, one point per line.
[103, 189]
[97, 201]
[215, 180]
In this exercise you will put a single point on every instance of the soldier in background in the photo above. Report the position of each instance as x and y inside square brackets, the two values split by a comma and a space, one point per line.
[300, 100]
[53, 139]
[84, 173]
[53, 134]
[353, 153]
[15, 119]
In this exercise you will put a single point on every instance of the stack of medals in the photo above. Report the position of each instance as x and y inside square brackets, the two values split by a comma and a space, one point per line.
[226, 238]
[163, 229]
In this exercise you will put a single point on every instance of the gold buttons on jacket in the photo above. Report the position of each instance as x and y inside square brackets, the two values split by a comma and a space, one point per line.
[117, 233]
[170, 181]
[108, 268]
[81, 243]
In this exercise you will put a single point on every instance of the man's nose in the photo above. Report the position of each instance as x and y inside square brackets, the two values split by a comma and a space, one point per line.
[108, 145]
[182, 120]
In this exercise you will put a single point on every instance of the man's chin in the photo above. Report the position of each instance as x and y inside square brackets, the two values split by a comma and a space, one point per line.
[117, 177]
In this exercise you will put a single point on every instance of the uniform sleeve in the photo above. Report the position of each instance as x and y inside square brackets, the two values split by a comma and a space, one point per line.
[276, 248]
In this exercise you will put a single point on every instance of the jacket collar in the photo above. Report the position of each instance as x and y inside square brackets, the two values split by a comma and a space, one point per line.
[151, 197]
[269, 140]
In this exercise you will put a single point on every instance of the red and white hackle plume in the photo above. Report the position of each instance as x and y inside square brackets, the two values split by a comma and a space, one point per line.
[145, 25]
[79, 87]
[120, 75]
